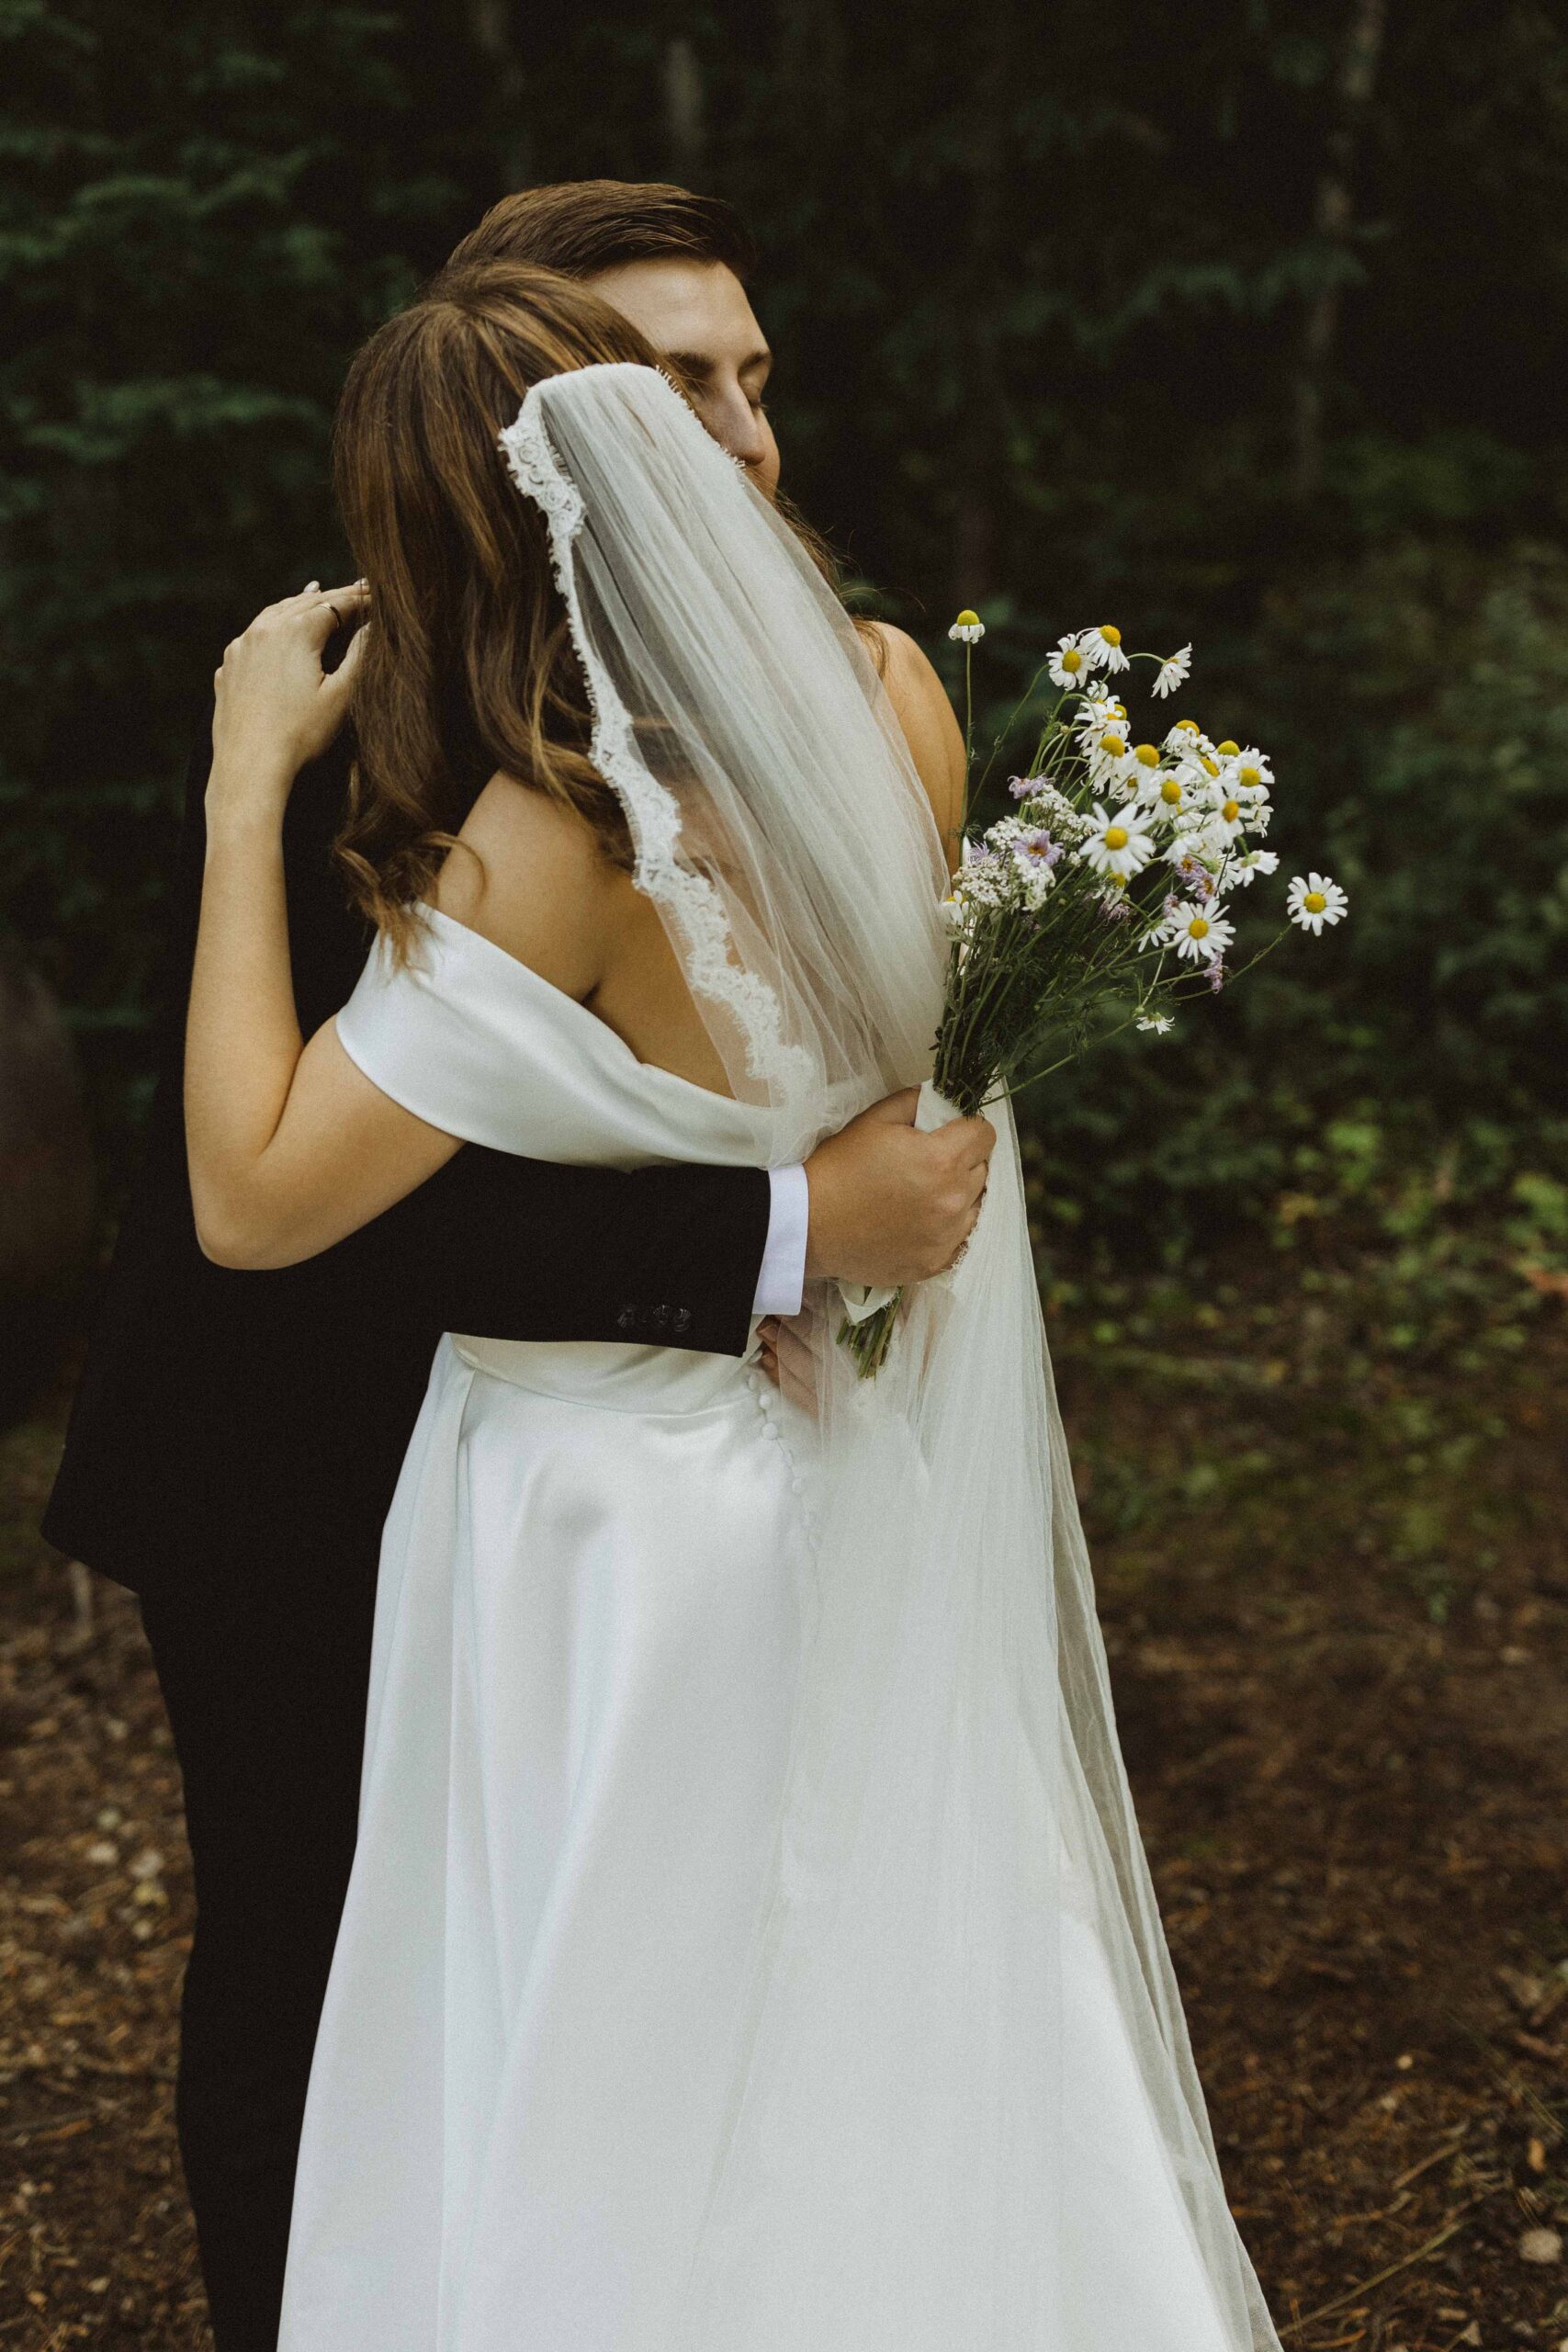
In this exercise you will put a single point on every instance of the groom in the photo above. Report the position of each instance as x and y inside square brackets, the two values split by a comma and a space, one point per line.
[237, 1436]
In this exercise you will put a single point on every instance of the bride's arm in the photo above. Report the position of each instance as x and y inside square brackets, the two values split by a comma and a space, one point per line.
[920, 702]
[290, 1147]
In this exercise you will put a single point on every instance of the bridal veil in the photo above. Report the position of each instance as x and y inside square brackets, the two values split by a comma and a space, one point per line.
[955, 1831]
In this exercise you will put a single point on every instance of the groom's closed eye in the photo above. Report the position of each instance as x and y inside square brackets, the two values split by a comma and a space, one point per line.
[699, 375]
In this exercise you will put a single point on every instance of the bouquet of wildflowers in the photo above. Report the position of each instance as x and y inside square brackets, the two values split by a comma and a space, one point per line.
[1113, 882]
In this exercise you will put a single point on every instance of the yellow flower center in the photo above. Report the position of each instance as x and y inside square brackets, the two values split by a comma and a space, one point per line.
[1115, 744]
[1314, 902]
[966, 619]
[1146, 755]
[1171, 791]
[1227, 750]
[1250, 778]
[1231, 811]
[1199, 927]
[1116, 837]
[1191, 725]
[1208, 764]
[1072, 660]
[1111, 636]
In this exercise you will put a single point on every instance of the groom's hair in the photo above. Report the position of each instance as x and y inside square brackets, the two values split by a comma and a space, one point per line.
[582, 227]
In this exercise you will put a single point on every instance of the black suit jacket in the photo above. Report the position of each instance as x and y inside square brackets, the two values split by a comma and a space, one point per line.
[234, 1423]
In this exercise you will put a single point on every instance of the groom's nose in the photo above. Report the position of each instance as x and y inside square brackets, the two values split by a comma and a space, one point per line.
[742, 425]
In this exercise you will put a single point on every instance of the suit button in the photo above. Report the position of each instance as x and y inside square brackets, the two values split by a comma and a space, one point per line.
[683, 1321]
[659, 1319]
[626, 1318]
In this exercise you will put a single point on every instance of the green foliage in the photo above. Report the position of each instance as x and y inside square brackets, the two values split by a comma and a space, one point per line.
[1063, 335]
[201, 215]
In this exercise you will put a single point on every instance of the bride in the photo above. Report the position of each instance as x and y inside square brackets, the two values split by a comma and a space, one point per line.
[749, 1946]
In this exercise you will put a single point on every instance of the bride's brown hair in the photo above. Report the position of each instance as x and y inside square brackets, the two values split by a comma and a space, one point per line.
[467, 666]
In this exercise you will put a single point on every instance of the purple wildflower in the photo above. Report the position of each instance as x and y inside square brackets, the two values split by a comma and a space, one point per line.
[1024, 787]
[1216, 971]
[1038, 848]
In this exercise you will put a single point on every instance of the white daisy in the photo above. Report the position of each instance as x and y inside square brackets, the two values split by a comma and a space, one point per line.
[1251, 772]
[1199, 933]
[1103, 648]
[1173, 671]
[1243, 870]
[1228, 819]
[1165, 793]
[1313, 899]
[1155, 1023]
[1110, 764]
[1185, 737]
[1115, 846]
[1069, 665]
[968, 629]
[1095, 714]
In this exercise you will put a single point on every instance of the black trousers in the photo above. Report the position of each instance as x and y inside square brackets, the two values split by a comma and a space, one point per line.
[264, 1679]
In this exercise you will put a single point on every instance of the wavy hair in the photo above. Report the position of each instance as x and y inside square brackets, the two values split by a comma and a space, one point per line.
[467, 666]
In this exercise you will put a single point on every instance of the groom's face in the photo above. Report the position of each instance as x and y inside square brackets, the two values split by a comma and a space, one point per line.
[696, 313]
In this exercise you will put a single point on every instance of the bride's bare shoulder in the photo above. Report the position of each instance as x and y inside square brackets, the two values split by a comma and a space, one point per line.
[530, 876]
[924, 713]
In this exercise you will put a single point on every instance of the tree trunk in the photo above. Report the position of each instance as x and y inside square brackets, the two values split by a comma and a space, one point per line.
[1333, 219]
[46, 1182]
[684, 129]
[980, 461]
[490, 30]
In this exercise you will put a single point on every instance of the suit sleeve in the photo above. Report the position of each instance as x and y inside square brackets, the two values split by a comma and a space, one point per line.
[495, 1246]
[509, 1248]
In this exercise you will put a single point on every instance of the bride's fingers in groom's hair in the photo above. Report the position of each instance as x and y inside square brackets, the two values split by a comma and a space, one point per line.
[330, 609]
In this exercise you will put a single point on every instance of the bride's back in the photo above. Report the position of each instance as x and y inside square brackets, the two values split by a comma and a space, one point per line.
[470, 670]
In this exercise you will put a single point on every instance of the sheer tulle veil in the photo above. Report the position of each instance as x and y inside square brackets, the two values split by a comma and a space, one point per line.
[956, 1812]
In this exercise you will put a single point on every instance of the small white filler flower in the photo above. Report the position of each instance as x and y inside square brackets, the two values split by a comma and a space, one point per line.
[968, 629]
[1174, 672]
[1313, 899]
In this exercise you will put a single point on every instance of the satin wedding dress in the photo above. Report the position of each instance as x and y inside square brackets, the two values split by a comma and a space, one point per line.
[747, 1947]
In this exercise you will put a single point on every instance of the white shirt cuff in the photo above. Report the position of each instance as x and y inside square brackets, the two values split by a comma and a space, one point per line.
[782, 1278]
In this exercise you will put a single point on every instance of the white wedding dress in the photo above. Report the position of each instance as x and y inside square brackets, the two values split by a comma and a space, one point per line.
[747, 1947]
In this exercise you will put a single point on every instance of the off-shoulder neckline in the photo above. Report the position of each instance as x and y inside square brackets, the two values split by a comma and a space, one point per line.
[610, 1039]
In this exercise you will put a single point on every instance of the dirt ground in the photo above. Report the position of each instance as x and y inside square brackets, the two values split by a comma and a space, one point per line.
[1337, 1600]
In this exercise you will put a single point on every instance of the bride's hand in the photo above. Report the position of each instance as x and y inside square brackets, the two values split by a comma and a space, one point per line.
[786, 1355]
[274, 706]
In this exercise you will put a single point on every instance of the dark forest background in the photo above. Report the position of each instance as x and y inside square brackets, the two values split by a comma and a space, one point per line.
[1242, 320]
